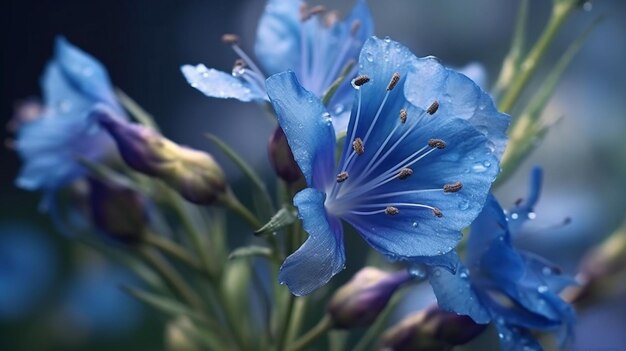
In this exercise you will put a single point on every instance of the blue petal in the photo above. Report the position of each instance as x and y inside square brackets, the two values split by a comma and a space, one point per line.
[449, 261]
[455, 293]
[277, 43]
[307, 126]
[540, 271]
[416, 231]
[83, 72]
[522, 211]
[322, 254]
[458, 96]
[476, 72]
[490, 225]
[515, 338]
[218, 84]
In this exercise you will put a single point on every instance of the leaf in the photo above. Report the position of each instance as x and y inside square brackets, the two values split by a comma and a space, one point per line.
[164, 304]
[105, 174]
[248, 251]
[284, 217]
[135, 110]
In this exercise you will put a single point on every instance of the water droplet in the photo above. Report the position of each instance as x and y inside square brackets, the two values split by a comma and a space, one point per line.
[479, 168]
[437, 272]
[463, 205]
[532, 215]
[464, 274]
[414, 224]
[542, 289]
[546, 271]
[369, 57]
[514, 215]
[387, 39]
[339, 108]
[238, 71]
[417, 272]
[487, 164]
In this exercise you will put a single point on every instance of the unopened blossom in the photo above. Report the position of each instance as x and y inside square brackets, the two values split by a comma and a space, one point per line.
[411, 175]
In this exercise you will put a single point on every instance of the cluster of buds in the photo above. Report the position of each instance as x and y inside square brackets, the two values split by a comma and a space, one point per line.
[193, 174]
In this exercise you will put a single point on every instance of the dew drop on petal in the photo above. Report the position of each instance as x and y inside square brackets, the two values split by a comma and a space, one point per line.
[542, 289]
[463, 205]
[414, 224]
[514, 215]
[387, 39]
[479, 168]
[417, 272]
[546, 271]
[369, 57]
[437, 272]
[532, 215]
[339, 108]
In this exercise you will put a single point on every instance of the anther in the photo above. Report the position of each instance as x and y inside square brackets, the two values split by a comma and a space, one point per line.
[358, 147]
[356, 25]
[452, 188]
[437, 212]
[230, 39]
[392, 211]
[239, 63]
[360, 80]
[394, 81]
[341, 177]
[437, 143]
[405, 173]
[403, 116]
[433, 108]
[331, 18]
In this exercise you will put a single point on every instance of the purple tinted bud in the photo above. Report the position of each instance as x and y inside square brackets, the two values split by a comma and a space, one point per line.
[194, 174]
[361, 300]
[117, 211]
[281, 158]
[431, 330]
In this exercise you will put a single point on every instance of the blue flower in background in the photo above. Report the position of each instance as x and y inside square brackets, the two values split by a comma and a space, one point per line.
[72, 84]
[410, 176]
[517, 290]
[28, 264]
[312, 42]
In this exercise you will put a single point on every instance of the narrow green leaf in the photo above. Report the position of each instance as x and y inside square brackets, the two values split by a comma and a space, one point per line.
[284, 217]
[135, 110]
[332, 89]
[245, 168]
[249, 251]
[513, 59]
[105, 174]
[164, 304]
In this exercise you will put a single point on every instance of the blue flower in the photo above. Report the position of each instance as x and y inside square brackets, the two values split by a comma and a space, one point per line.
[290, 36]
[517, 290]
[410, 177]
[72, 84]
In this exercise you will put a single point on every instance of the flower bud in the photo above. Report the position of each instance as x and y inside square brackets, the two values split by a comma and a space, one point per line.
[281, 157]
[431, 329]
[177, 335]
[361, 300]
[194, 174]
[117, 211]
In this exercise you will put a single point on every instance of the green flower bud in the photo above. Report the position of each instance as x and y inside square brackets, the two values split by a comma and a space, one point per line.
[364, 297]
[194, 174]
[430, 330]
[177, 335]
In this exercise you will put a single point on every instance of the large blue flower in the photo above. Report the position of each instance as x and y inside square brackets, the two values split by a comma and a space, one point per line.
[313, 43]
[516, 290]
[72, 84]
[410, 176]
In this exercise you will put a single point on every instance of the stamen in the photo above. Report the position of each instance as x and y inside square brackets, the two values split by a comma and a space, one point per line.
[437, 212]
[433, 108]
[341, 177]
[394, 81]
[356, 25]
[403, 116]
[358, 147]
[405, 173]
[360, 80]
[452, 188]
[437, 143]
[239, 63]
[230, 39]
[306, 13]
[392, 211]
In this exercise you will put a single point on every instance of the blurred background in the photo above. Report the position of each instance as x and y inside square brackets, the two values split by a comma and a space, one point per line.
[57, 296]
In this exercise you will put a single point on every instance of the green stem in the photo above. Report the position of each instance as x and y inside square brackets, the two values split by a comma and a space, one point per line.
[322, 327]
[284, 332]
[233, 204]
[298, 314]
[560, 12]
[173, 250]
[172, 278]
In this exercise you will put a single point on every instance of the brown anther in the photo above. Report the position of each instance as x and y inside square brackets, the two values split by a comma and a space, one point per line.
[394, 81]
[405, 173]
[341, 177]
[360, 80]
[403, 116]
[452, 188]
[331, 18]
[392, 211]
[240, 63]
[306, 13]
[437, 143]
[437, 212]
[357, 146]
[356, 25]
[433, 108]
[230, 39]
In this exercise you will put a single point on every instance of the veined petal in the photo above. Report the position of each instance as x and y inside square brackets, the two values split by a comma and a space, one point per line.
[322, 254]
[307, 126]
[458, 96]
[524, 210]
[277, 43]
[455, 293]
[218, 84]
[490, 225]
[83, 72]
[516, 339]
